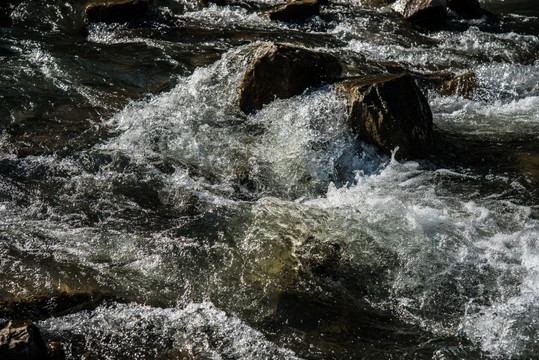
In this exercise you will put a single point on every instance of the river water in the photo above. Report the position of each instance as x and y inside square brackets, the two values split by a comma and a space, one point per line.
[128, 172]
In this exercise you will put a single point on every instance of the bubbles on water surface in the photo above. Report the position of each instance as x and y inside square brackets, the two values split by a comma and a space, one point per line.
[292, 146]
[134, 331]
[464, 265]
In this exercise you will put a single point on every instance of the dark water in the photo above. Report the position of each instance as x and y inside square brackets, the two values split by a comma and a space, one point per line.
[128, 174]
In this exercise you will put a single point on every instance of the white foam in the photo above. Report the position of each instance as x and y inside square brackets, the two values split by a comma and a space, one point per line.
[292, 146]
[226, 16]
[508, 328]
[446, 242]
[130, 330]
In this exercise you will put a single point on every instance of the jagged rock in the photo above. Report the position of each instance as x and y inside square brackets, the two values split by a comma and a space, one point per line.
[295, 10]
[431, 12]
[282, 71]
[466, 8]
[389, 110]
[462, 85]
[21, 340]
[115, 11]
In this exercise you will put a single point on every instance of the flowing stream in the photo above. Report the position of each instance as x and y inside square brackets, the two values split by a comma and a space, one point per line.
[129, 174]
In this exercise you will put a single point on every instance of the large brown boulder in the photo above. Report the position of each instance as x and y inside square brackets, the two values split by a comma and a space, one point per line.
[431, 12]
[389, 110]
[282, 71]
[295, 10]
[115, 11]
[21, 340]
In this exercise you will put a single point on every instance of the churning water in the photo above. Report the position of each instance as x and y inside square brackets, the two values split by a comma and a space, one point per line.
[127, 170]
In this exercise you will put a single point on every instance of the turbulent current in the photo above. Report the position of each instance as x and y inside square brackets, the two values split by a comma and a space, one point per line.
[134, 190]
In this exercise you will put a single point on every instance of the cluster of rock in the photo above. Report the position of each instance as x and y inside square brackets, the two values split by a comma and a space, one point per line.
[387, 110]
[427, 12]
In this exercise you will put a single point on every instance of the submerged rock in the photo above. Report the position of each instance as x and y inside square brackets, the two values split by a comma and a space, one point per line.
[53, 304]
[528, 163]
[431, 12]
[466, 8]
[462, 85]
[21, 340]
[115, 11]
[389, 110]
[282, 71]
[295, 10]
[90, 356]
[5, 16]
[178, 354]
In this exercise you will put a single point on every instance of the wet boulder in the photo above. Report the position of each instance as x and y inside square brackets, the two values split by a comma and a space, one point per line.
[425, 12]
[282, 71]
[389, 110]
[115, 11]
[21, 340]
[462, 85]
[466, 8]
[295, 10]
